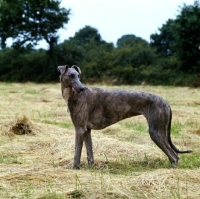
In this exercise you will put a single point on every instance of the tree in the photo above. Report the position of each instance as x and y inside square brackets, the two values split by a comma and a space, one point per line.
[164, 40]
[186, 32]
[132, 55]
[68, 53]
[180, 38]
[95, 54]
[86, 34]
[29, 21]
[134, 51]
[131, 40]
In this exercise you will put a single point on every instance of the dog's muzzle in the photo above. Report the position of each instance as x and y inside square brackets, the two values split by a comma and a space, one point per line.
[78, 90]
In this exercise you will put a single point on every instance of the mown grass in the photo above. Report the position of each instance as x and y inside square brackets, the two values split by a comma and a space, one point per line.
[127, 163]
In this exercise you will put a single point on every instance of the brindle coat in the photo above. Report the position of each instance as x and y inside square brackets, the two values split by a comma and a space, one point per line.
[95, 108]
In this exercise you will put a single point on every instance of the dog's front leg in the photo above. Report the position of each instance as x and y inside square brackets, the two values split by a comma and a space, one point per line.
[79, 137]
[88, 144]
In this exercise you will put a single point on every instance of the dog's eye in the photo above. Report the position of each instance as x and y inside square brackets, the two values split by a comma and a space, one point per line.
[71, 76]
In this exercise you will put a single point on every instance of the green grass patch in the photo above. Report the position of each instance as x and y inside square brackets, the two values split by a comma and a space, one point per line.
[132, 125]
[10, 159]
[31, 91]
[59, 124]
[189, 161]
[128, 166]
[176, 127]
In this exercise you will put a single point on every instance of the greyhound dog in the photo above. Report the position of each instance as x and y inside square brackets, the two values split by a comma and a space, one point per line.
[95, 108]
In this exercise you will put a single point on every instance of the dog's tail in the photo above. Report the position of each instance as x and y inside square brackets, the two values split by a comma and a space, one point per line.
[169, 137]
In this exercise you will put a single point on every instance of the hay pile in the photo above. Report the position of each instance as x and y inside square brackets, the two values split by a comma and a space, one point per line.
[21, 125]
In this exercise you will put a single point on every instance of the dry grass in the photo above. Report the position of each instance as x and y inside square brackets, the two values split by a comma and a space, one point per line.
[37, 146]
[19, 126]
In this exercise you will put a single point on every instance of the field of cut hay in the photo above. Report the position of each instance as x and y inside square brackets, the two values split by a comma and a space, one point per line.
[37, 147]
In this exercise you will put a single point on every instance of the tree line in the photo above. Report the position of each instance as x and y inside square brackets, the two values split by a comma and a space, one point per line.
[172, 57]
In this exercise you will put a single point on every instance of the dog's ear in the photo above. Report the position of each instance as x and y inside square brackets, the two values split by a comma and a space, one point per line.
[62, 69]
[77, 69]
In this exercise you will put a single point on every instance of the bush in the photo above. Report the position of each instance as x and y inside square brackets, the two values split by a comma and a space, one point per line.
[34, 66]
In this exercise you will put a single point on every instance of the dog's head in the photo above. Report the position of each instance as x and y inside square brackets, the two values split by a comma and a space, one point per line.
[70, 78]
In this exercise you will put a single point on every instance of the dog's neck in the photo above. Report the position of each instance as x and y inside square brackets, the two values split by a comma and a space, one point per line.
[66, 92]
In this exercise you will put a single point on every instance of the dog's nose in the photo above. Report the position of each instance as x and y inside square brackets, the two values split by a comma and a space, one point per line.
[82, 89]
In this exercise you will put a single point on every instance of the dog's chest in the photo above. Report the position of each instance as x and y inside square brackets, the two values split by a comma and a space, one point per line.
[66, 94]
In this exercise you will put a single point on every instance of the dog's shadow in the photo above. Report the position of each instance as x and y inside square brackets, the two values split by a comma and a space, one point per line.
[121, 167]
[125, 167]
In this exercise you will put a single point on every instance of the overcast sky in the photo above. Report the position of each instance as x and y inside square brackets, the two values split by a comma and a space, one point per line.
[115, 18]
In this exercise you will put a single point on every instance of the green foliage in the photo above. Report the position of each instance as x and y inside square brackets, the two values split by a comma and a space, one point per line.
[171, 58]
[92, 54]
[180, 38]
[32, 66]
[131, 40]
[187, 36]
[84, 35]
[98, 62]
[164, 40]
[30, 21]
[131, 55]
[68, 53]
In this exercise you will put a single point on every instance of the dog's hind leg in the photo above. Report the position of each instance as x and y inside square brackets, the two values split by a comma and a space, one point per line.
[88, 144]
[159, 134]
[163, 144]
[79, 137]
